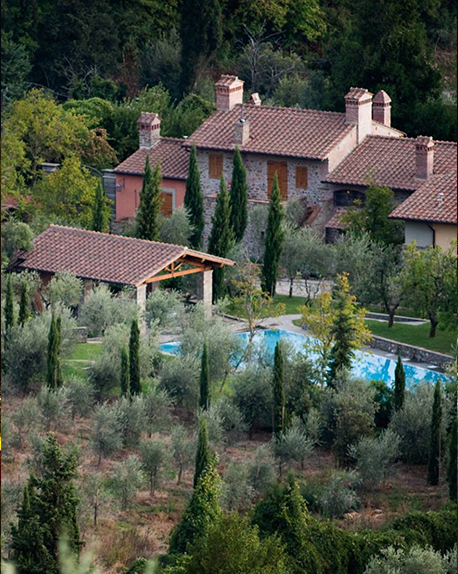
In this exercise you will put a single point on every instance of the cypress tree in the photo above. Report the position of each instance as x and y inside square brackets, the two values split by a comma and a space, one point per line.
[220, 240]
[24, 305]
[435, 437]
[9, 306]
[100, 213]
[204, 382]
[48, 511]
[194, 201]
[134, 359]
[274, 240]
[203, 455]
[125, 383]
[202, 511]
[399, 385]
[150, 203]
[239, 197]
[452, 462]
[278, 392]
[54, 379]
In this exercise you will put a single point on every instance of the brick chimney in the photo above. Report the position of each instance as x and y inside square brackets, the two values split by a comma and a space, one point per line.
[358, 111]
[424, 157]
[149, 128]
[229, 92]
[242, 132]
[255, 99]
[381, 108]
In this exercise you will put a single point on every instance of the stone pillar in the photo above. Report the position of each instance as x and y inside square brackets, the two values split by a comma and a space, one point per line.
[141, 302]
[205, 290]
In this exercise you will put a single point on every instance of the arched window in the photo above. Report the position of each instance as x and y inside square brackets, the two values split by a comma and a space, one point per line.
[346, 197]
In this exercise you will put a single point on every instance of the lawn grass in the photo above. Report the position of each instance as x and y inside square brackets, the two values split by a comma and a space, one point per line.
[292, 305]
[418, 335]
[86, 351]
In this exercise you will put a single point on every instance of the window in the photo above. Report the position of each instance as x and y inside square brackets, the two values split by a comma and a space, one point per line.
[281, 169]
[301, 177]
[345, 197]
[168, 202]
[215, 166]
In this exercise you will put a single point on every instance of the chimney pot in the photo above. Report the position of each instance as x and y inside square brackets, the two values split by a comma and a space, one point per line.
[381, 107]
[242, 132]
[424, 157]
[358, 111]
[255, 99]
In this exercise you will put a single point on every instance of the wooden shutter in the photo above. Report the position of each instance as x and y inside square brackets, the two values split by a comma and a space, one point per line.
[301, 177]
[215, 166]
[281, 169]
[167, 204]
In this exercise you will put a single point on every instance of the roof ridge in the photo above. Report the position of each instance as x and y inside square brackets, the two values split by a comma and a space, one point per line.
[271, 107]
[408, 139]
[136, 239]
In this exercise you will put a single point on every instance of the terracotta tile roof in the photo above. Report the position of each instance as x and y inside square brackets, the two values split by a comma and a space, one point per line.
[104, 257]
[174, 159]
[274, 130]
[358, 94]
[335, 221]
[389, 161]
[435, 201]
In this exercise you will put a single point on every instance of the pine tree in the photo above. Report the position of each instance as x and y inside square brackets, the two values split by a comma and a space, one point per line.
[204, 382]
[239, 197]
[399, 385]
[125, 383]
[48, 511]
[100, 211]
[134, 359]
[220, 240]
[54, 378]
[203, 454]
[194, 201]
[202, 511]
[10, 319]
[150, 203]
[274, 240]
[348, 328]
[452, 461]
[435, 437]
[278, 394]
[24, 305]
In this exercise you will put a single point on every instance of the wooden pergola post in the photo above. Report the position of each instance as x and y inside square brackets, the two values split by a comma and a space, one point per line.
[205, 290]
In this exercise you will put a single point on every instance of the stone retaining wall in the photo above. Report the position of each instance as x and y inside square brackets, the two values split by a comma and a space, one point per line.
[418, 354]
[397, 318]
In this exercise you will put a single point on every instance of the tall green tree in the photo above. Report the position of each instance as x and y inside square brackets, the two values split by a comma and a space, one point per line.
[53, 378]
[125, 374]
[100, 210]
[220, 240]
[194, 200]
[274, 240]
[134, 359]
[278, 391]
[48, 512]
[9, 306]
[202, 511]
[201, 35]
[24, 305]
[452, 461]
[204, 381]
[435, 440]
[348, 329]
[239, 197]
[399, 385]
[203, 455]
[150, 203]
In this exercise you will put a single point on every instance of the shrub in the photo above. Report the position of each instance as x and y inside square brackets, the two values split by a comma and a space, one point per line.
[157, 409]
[232, 420]
[130, 419]
[63, 289]
[163, 308]
[180, 378]
[412, 423]
[339, 496]
[253, 396]
[106, 436]
[26, 418]
[126, 481]
[375, 457]
[415, 561]
[80, 395]
[261, 470]
[54, 408]
[236, 489]
[293, 444]
[177, 228]
[154, 457]
[101, 310]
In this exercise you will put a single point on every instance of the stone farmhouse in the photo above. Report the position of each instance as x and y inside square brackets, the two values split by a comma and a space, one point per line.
[326, 159]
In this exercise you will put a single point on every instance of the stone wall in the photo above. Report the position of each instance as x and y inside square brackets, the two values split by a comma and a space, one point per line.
[418, 354]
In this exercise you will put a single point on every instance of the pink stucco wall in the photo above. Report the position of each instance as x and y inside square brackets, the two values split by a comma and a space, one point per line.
[128, 195]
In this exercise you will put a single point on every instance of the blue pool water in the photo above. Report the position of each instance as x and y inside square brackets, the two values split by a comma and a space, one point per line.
[365, 365]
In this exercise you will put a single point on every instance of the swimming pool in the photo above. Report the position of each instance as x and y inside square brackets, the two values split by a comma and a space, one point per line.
[365, 365]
